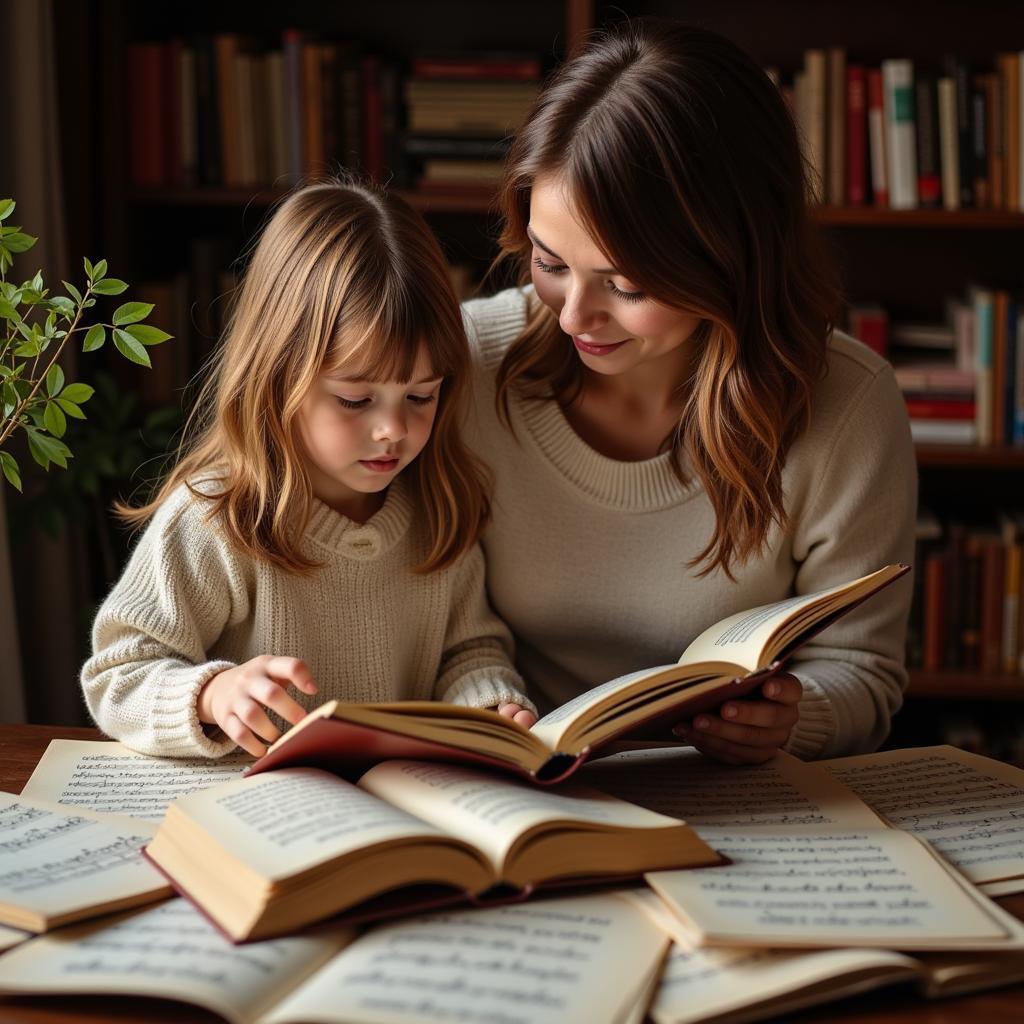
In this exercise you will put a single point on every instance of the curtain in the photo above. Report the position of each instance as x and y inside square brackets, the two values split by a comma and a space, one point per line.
[44, 576]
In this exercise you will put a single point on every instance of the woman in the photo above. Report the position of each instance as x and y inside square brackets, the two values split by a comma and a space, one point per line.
[676, 430]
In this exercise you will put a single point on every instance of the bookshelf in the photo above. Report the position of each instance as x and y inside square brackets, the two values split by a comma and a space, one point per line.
[908, 260]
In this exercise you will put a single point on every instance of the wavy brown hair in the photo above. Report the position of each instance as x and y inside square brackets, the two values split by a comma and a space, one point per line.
[683, 163]
[344, 273]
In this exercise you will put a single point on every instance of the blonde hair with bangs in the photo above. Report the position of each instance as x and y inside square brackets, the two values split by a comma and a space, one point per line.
[343, 271]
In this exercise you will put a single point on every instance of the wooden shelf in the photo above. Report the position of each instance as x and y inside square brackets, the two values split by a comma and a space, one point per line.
[965, 456]
[436, 201]
[869, 217]
[966, 686]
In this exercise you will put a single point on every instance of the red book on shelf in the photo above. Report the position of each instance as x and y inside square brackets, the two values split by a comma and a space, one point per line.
[869, 323]
[856, 135]
[469, 67]
[145, 89]
[1001, 307]
[992, 568]
[940, 409]
[934, 611]
[876, 139]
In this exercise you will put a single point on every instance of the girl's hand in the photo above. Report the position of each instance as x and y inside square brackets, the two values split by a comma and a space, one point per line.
[747, 731]
[517, 713]
[235, 699]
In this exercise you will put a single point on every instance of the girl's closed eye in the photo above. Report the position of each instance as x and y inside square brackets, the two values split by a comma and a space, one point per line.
[548, 268]
[423, 399]
[352, 403]
[626, 294]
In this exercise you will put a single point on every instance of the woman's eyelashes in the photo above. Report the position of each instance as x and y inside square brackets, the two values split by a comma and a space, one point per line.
[619, 293]
[362, 403]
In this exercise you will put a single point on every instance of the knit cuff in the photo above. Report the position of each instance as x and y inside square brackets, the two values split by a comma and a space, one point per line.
[487, 688]
[176, 717]
[816, 724]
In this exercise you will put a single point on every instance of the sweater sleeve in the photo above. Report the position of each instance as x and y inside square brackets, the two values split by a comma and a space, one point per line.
[152, 633]
[859, 516]
[476, 667]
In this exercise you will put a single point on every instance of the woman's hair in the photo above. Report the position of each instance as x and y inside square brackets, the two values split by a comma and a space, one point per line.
[344, 273]
[682, 161]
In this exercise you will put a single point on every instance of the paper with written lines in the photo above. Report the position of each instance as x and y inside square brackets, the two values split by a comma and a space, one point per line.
[55, 860]
[109, 777]
[821, 888]
[970, 808]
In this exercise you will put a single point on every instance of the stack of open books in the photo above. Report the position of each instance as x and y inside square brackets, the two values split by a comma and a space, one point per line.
[788, 884]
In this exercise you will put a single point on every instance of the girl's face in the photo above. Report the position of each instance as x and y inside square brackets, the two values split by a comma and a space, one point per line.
[357, 435]
[614, 326]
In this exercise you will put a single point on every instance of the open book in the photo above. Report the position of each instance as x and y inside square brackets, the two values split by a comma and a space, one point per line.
[727, 661]
[59, 865]
[594, 958]
[265, 855]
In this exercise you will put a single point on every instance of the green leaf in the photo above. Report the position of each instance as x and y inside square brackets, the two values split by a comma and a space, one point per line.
[71, 409]
[94, 338]
[130, 348]
[132, 313]
[46, 449]
[54, 380]
[10, 468]
[89, 272]
[7, 311]
[110, 286]
[100, 270]
[20, 242]
[72, 291]
[63, 305]
[6, 208]
[77, 393]
[54, 419]
[10, 398]
[148, 335]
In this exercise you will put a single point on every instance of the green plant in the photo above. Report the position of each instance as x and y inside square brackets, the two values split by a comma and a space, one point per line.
[34, 395]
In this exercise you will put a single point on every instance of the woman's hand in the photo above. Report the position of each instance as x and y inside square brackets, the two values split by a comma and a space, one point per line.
[747, 731]
[237, 698]
[517, 713]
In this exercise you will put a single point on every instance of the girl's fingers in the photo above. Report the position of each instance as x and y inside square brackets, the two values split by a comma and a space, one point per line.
[525, 718]
[731, 753]
[254, 718]
[236, 730]
[783, 688]
[293, 671]
[765, 714]
[271, 695]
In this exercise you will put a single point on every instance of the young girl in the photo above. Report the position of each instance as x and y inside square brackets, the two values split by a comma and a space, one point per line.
[676, 430]
[319, 538]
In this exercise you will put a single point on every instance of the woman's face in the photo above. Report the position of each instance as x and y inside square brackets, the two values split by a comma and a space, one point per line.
[614, 326]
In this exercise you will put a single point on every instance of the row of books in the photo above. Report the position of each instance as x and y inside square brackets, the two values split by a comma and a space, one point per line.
[684, 946]
[221, 110]
[968, 608]
[963, 378]
[905, 137]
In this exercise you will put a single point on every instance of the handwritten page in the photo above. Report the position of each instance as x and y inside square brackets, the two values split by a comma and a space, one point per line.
[970, 808]
[818, 887]
[699, 984]
[168, 951]
[492, 812]
[582, 958]
[682, 783]
[56, 864]
[109, 777]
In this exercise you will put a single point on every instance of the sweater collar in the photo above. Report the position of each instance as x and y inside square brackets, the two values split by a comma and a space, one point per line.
[367, 541]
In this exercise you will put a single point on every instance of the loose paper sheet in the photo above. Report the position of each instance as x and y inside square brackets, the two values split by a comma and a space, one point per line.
[109, 777]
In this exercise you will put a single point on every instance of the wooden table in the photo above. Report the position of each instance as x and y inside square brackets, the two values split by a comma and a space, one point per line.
[22, 745]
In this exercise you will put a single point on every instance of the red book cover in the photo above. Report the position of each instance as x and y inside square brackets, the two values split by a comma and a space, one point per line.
[146, 113]
[934, 611]
[856, 135]
[517, 68]
[870, 324]
[940, 409]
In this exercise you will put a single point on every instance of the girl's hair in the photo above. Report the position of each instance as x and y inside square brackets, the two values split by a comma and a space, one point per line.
[344, 273]
[682, 162]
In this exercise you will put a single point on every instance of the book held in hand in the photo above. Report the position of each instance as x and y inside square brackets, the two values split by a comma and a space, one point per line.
[727, 661]
[265, 855]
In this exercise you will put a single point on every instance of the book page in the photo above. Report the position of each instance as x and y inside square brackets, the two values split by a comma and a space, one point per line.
[11, 937]
[970, 808]
[819, 887]
[56, 861]
[699, 984]
[288, 820]
[682, 783]
[109, 777]
[581, 958]
[168, 951]
[491, 812]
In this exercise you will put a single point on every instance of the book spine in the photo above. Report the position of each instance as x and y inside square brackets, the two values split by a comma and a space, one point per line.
[929, 176]
[1009, 371]
[247, 170]
[970, 604]
[898, 81]
[523, 69]
[293, 106]
[815, 66]
[276, 127]
[1018, 381]
[994, 140]
[173, 158]
[836, 125]
[983, 344]
[876, 139]
[312, 109]
[979, 144]
[189, 129]
[207, 113]
[1000, 313]
[856, 135]
[225, 55]
[948, 143]
[993, 584]
[145, 86]
[1009, 79]
[373, 142]
[962, 82]
[1011, 606]
[940, 409]
[935, 572]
